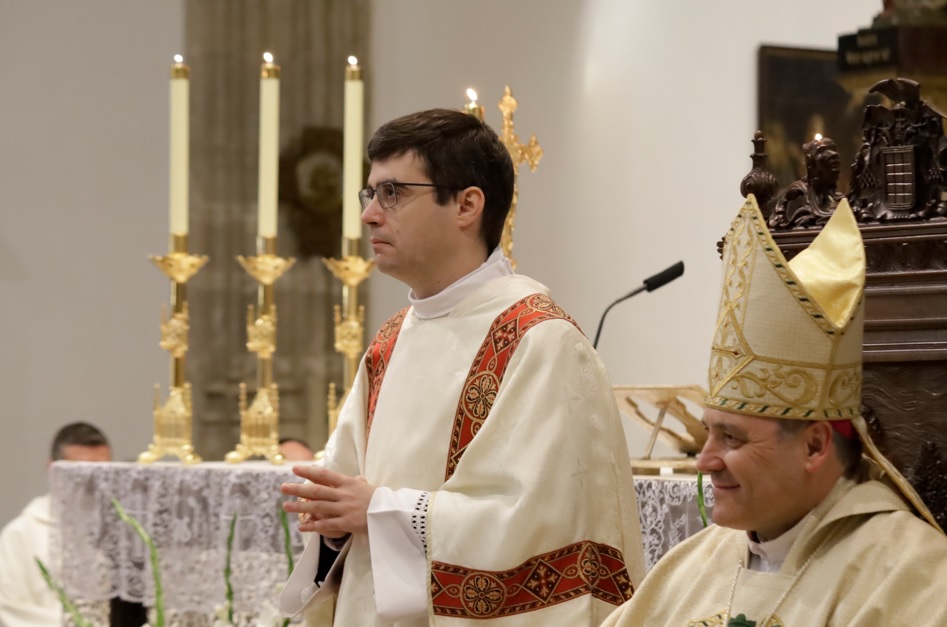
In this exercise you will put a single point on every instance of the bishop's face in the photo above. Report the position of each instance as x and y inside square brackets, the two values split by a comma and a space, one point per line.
[756, 472]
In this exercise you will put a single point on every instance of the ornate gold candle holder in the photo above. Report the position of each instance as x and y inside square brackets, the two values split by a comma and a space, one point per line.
[259, 423]
[173, 421]
[352, 269]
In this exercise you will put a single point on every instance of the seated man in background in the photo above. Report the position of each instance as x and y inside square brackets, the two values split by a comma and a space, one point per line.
[25, 599]
[479, 468]
[814, 527]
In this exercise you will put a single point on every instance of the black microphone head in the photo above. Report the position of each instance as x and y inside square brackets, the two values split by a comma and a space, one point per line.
[665, 276]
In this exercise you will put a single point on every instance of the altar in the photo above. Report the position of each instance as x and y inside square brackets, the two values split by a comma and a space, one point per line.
[187, 511]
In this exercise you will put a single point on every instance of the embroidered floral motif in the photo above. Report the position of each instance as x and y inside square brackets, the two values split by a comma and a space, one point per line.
[543, 580]
[590, 565]
[479, 395]
[796, 387]
[483, 595]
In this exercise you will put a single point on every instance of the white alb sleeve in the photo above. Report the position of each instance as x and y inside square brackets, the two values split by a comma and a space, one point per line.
[397, 530]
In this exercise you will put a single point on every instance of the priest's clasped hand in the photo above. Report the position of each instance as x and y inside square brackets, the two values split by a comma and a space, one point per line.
[332, 505]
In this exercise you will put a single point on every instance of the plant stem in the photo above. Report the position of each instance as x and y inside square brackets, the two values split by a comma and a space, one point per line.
[700, 499]
[67, 603]
[287, 541]
[227, 571]
[287, 546]
[153, 556]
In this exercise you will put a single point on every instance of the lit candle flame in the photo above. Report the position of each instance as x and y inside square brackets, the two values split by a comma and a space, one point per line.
[353, 60]
[818, 136]
[472, 94]
[267, 57]
[178, 58]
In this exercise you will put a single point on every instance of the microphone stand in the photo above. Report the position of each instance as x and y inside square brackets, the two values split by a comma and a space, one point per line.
[650, 284]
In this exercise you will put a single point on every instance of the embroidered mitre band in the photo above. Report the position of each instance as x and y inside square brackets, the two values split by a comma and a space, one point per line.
[788, 339]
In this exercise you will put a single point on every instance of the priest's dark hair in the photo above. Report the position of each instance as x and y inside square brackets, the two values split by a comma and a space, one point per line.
[76, 434]
[457, 151]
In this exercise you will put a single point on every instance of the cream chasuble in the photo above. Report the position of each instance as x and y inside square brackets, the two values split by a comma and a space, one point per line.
[501, 418]
[25, 599]
[862, 559]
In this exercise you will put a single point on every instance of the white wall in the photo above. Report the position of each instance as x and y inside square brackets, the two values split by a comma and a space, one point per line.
[83, 199]
[645, 110]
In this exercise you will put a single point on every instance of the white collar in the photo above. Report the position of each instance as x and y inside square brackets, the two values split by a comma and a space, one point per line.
[442, 303]
[769, 556]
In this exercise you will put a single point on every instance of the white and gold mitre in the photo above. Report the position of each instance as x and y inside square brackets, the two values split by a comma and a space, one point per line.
[788, 340]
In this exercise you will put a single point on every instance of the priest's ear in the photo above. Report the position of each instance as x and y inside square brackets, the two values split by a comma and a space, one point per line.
[470, 201]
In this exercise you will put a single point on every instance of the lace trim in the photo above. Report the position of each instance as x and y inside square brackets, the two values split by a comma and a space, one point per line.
[419, 518]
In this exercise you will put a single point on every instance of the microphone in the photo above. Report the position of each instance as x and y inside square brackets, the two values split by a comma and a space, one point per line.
[650, 284]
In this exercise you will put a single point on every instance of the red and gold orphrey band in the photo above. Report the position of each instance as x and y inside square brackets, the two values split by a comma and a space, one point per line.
[543, 580]
[376, 361]
[486, 372]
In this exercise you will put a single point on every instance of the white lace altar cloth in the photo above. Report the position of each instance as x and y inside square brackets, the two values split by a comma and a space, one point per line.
[187, 511]
[667, 507]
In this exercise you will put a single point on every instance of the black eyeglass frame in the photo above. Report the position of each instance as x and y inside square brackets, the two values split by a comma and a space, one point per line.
[365, 196]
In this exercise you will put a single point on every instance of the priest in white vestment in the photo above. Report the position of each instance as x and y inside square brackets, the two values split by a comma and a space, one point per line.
[478, 473]
[814, 526]
[25, 599]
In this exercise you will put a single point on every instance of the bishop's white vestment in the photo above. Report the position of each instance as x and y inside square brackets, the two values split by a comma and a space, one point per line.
[506, 488]
[861, 558]
[25, 599]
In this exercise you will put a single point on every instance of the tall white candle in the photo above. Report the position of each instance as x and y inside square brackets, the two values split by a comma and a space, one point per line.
[353, 130]
[180, 128]
[269, 147]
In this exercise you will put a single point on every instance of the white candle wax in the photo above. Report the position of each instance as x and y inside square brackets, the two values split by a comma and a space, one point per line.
[353, 132]
[269, 149]
[180, 128]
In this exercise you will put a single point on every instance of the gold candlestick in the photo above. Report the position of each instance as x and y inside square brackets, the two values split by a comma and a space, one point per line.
[529, 153]
[352, 269]
[259, 423]
[173, 421]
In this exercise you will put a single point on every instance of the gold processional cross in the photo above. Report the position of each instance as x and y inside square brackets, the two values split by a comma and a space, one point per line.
[529, 153]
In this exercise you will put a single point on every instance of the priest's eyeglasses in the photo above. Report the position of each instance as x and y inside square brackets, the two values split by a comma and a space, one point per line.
[387, 193]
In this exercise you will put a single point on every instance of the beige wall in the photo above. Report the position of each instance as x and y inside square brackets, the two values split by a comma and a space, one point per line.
[645, 109]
